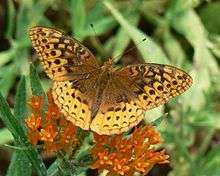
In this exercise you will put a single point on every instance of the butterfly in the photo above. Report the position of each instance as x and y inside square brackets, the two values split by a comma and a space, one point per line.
[101, 98]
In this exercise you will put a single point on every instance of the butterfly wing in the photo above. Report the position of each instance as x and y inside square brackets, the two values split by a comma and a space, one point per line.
[133, 90]
[155, 84]
[62, 57]
[74, 70]
[73, 103]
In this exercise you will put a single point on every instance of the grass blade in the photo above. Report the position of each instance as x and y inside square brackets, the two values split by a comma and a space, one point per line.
[36, 86]
[78, 13]
[20, 110]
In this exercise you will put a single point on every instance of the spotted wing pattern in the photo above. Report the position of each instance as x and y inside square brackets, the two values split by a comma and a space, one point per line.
[138, 88]
[74, 106]
[62, 57]
[117, 119]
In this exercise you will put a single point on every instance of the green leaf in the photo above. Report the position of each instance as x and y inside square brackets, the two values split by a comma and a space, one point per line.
[19, 158]
[27, 17]
[189, 25]
[101, 25]
[6, 56]
[10, 19]
[209, 165]
[20, 137]
[7, 78]
[20, 110]
[173, 49]
[150, 51]
[215, 45]
[208, 14]
[122, 39]
[53, 170]
[78, 13]
[19, 165]
[36, 86]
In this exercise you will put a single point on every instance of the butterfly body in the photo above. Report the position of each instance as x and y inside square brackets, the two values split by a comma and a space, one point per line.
[101, 98]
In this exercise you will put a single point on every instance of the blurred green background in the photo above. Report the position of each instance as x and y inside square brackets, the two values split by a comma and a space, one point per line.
[183, 33]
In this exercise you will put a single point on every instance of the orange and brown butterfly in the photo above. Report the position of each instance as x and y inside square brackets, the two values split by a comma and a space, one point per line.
[102, 98]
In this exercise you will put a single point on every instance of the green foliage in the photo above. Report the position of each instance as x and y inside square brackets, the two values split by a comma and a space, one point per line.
[184, 33]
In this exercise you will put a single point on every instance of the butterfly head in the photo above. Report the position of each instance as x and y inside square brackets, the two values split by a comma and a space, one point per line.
[108, 65]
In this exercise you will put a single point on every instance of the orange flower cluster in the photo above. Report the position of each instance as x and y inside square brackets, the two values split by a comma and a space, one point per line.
[124, 156]
[52, 130]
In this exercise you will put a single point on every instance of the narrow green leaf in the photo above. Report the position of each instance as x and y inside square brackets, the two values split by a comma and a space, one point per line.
[189, 25]
[209, 165]
[6, 56]
[18, 161]
[101, 26]
[150, 51]
[7, 78]
[53, 170]
[208, 14]
[19, 158]
[36, 86]
[78, 13]
[20, 110]
[173, 48]
[122, 39]
[10, 19]
[20, 137]
[22, 22]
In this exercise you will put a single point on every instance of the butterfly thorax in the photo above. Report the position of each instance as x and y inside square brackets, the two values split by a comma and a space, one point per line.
[103, 80]
[108, 66]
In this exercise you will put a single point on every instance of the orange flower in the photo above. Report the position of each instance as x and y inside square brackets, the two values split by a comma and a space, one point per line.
[47, 131]
[67, 137]
[120, 166]
[36, 104]
[33, 122]
[34, 137]
[124, 156]
[53, 112]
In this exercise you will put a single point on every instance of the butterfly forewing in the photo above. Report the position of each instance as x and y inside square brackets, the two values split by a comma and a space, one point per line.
[62, 57]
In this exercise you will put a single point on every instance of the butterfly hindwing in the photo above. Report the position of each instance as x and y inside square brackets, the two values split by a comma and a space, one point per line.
[72, 103]
[62, 57]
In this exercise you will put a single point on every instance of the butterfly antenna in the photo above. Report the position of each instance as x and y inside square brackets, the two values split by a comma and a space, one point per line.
[130, 49]
[96, 42]
[92, 26]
